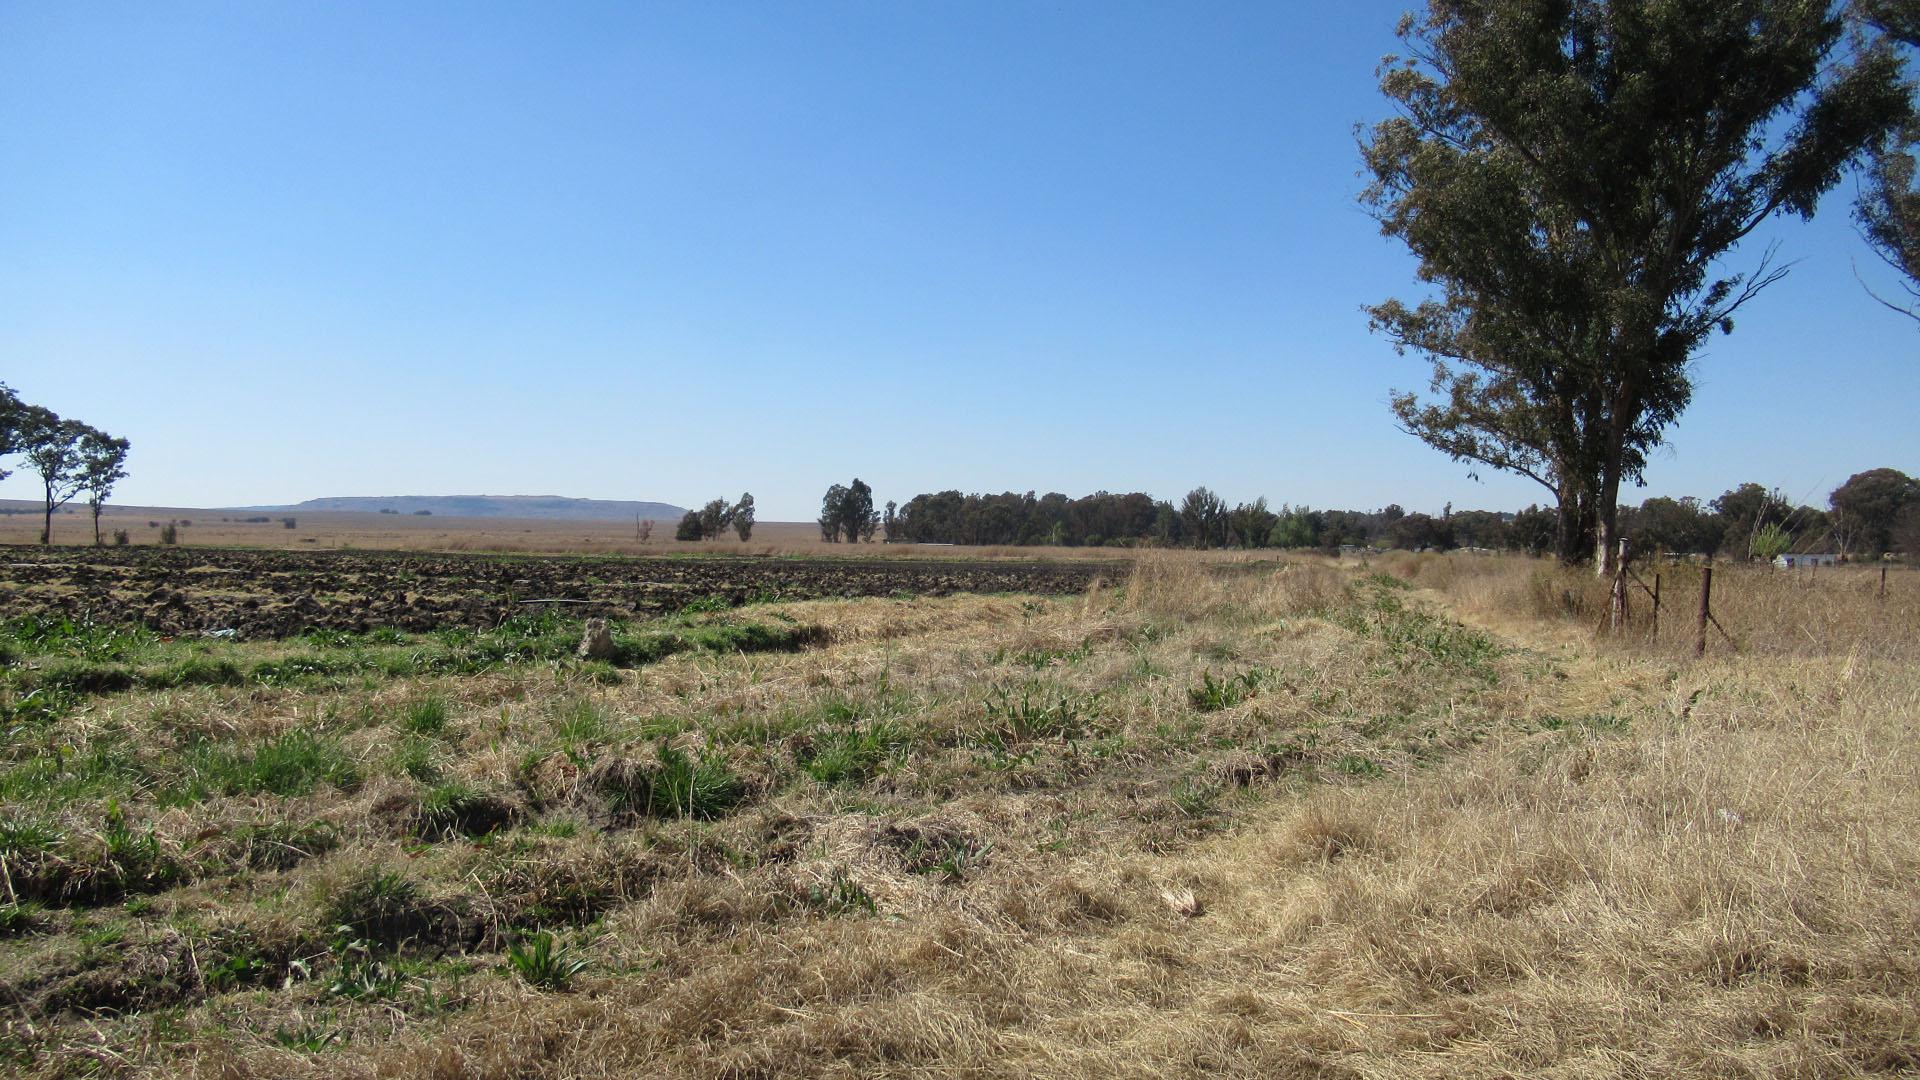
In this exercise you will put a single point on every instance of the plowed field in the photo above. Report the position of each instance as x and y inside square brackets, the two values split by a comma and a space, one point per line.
[265, 594]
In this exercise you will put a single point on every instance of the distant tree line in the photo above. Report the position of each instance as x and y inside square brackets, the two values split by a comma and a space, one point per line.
[71, 458]
[1873, 512]
[712, 521]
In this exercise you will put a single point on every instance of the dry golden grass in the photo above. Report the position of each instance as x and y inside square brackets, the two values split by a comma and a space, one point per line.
[1406, 847]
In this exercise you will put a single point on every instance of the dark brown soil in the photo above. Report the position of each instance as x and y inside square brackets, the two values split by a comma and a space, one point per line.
[265, 593]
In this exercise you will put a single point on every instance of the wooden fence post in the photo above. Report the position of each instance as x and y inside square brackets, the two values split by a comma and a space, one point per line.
[1618, 609]
[1883, 581]
[1706, 610]
[1653, 631]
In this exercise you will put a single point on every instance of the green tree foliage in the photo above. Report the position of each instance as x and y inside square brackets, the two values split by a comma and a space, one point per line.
[1203, 519]
[1745, 511]
[742, 517]
[67, 455]
[1867, 507]
[13, 415]
[1569, 175]
[1889, 214]
[51, 446]
[858, 519]
[848, 511]
[103, 463]
[1770, 542]
[1480, 529]
[833, 513]
[1677, 525]
[1534, 530]
[715, 518]
[1166, 524]
[1898, 21]
[1296, 527]
[890, 522]
[1249, 524]
[1104, 518]
[1415, 532]
[690, 527]
[1888, 210]
[1906, 533]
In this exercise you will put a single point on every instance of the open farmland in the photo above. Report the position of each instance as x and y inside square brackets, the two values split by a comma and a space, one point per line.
[338, 530]
[1304, 819]
[267, 593]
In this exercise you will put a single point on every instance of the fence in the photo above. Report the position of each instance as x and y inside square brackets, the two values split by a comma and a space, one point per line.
[1657, 595]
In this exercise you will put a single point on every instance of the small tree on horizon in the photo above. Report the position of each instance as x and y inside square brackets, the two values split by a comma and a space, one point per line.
[52, 448]
[715, 517]
[743, 516]
[860, 517]
[833, 513]
[103, 460]
[848, 511]
[690, 527]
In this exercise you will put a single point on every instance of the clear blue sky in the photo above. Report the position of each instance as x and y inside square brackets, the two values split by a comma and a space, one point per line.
[677, 251]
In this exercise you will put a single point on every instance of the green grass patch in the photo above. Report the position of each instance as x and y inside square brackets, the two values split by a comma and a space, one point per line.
[289, 765]
[854, 752]
[427, 716]
[675, 785]
[1412, 633]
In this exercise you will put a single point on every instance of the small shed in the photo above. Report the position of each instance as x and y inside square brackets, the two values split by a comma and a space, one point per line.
[1791, 561]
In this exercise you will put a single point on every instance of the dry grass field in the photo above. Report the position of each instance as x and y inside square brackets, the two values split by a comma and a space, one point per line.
[1407, 819]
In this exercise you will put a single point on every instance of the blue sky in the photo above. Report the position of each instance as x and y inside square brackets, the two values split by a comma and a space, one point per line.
[677, 251]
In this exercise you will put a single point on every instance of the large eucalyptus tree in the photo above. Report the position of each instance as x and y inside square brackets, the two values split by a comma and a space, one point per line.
[1570, 174]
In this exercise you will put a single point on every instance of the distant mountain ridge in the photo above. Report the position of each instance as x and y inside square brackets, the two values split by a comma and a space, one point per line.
[542, 507]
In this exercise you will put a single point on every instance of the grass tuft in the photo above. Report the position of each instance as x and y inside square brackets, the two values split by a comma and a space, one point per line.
[543, 964]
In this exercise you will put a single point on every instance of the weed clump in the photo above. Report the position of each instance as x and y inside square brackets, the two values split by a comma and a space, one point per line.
[1212, 694]
[1037, 711]
[676, 784]
[841, 895]
[541, 963]
[380, 906]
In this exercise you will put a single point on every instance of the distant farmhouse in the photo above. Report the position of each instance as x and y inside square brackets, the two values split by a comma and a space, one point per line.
[1791, 561]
